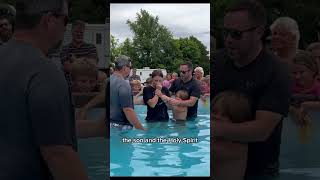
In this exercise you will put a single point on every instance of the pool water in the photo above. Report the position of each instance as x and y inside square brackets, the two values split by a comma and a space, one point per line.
[162, 157]
[299, 158]
[93, 151]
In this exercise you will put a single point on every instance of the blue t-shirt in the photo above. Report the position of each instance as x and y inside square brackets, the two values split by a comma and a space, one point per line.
[120, 97]
[36, 110]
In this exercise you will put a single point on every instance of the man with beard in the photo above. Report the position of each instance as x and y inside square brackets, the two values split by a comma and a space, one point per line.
[37, 124]
[245, 67]
[190, 84]
[122, 114]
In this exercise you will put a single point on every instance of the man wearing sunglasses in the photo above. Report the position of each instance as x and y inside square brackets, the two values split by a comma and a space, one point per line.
[37, 123]
[188, 83]
[244, 66]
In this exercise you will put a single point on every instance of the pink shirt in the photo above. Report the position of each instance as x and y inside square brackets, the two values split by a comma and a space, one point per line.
[166, 84]
[314, 90]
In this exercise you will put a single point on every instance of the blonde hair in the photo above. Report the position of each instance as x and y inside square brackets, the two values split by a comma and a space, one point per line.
[199, 69]
[306, 59]
[83, 67]
[238, 112]
[135, 82]
[183, 94]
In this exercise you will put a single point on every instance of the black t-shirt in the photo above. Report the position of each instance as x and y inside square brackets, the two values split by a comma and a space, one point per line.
[36, 110]
[160, 111]
[193, 89]
[266, 81]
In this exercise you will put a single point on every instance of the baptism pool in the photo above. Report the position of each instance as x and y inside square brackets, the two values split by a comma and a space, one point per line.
[299, 156]
[166, 149]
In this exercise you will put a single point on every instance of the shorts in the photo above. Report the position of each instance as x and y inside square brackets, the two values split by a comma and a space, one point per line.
[121, 127]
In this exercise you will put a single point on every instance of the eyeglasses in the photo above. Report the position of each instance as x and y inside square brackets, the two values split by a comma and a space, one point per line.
[184, 72]
[236, 34]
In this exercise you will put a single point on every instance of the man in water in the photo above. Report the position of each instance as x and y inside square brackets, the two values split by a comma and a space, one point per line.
[188, 83]
[37, 123]
[122, 114]
[246, 67]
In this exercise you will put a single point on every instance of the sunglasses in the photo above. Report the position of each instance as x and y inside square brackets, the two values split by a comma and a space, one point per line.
[236, 34]
[184, 72]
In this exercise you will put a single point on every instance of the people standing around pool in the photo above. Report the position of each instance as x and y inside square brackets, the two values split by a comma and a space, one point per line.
[245, 67]
[38, 138]
[205, 88]
[135, 86]
[198, 73]
[156, 109]
[174, 76]
[186, 82]
[134, 75]
[285, 37]
[226, 155]
[84, 76]
[306, 87]
[314, 48]
[166, 83]
[122, 114]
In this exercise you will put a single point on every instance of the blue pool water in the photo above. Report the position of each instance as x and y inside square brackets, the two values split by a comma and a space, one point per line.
[299, 156]
[160, 158]
[93, 151]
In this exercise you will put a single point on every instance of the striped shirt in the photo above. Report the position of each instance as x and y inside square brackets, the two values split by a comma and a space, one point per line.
[85, 49]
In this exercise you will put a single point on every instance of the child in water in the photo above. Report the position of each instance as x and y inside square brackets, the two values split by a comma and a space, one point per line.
[179, 112]
[229, 156]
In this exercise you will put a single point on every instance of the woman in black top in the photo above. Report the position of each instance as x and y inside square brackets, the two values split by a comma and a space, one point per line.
[157, 109]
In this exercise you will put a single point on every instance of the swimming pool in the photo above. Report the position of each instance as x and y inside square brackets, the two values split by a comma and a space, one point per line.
[159, 158]
[93, 151]
[299, 158]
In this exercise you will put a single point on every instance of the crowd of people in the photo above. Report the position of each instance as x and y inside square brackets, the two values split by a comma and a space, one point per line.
[269, 79]
[181, 94]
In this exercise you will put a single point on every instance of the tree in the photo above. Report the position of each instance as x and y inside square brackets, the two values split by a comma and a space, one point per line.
[191, 48]
[152, 42]
[115, 50]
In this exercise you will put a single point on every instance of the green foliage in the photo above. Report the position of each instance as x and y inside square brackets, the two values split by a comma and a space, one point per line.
[153, 46]
[115, 50]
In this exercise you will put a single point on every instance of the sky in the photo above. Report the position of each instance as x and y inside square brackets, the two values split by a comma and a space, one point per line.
[183, 20]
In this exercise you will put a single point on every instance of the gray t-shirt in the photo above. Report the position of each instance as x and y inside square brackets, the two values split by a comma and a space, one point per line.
[36, 110]
[120, 97]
